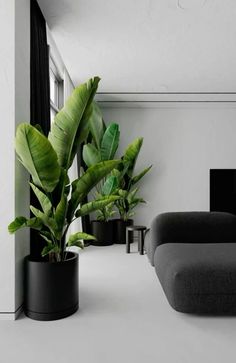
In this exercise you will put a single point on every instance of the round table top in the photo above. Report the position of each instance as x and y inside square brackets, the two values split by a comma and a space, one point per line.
[136, 228]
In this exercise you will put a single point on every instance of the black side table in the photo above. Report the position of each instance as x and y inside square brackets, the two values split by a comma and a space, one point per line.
[141, 231]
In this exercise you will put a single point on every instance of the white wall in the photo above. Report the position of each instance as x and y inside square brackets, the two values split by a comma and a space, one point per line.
[14, 95]
[182, 144]
[22, 113]
[7, 199]
[147, 45]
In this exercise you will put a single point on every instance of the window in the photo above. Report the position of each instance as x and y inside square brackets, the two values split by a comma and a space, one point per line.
[56, 89]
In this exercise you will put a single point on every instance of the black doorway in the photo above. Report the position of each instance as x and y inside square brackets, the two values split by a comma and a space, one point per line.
[223, 190]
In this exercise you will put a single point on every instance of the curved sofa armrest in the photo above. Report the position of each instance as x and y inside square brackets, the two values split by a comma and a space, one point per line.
[190, 227]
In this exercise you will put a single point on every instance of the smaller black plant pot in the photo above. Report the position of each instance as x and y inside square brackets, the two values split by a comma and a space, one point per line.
[103, 231]
[120, 230]
[51, 288]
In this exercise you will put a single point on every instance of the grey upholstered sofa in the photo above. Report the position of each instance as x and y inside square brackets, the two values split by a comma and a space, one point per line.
[194, 255]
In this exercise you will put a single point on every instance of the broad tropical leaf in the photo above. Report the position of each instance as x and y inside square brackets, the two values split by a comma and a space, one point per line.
[82, 186]
[136, 178]
[49, 222]
[63, 187]
[60, 213]
[65, 134]
[18, 223]
[81, 135]
[131, 154]
[110, 142]
[132, 194]
[43, 199]
[120, 174]
[37, 156]
[34, 223]
[95, 205]
[76, 239]
[81, 235]
[96, 125]
[110, 185]
[49, 249]
[91, 155]
[21, 222]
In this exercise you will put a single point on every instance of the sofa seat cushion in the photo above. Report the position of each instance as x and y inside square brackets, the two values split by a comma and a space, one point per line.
[198, 278]
[190, 227]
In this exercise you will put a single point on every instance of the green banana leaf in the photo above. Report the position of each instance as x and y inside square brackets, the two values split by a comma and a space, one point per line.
[50, 248]
[21, 222]
[110, 185]
[95, 205]
[91, 155]
[76, 239]
[82, 186]
[96, 125]
[110, 142]
[132, 194]
[43, 199]
[60, 213]
[49, 222]
[80, 236]
[63, 187]
[119, 173]
[136, 178]
[69, 123]
[131, 154]
[38, 157]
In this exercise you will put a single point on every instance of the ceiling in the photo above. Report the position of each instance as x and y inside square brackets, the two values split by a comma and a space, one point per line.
[147, 45]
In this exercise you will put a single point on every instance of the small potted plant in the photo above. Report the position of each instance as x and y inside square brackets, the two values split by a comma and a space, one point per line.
[128, 200]
[51, 283]
[102, 227]
[103, 148]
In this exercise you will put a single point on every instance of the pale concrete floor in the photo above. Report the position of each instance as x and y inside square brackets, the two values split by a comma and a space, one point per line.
[123, 318]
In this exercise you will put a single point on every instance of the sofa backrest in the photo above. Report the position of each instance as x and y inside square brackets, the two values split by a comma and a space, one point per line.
[190, 227]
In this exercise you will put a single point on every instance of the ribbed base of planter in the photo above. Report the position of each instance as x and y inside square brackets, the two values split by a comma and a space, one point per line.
[51, 316]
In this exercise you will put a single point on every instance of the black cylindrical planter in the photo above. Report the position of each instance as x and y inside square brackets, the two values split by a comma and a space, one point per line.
[51, 288]
[119, 229]
[103, 231]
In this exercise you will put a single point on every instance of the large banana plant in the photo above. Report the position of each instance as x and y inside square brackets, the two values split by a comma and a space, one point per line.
[48, 160]
[105, 141]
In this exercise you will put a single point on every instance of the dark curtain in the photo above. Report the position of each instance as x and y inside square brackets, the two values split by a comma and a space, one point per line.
[39, 92]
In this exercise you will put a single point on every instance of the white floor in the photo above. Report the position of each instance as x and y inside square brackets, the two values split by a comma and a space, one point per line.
[123, 318]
